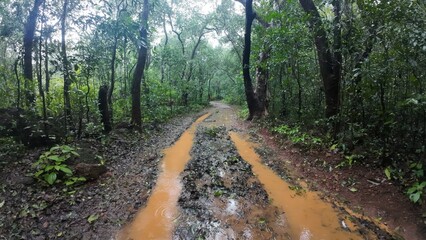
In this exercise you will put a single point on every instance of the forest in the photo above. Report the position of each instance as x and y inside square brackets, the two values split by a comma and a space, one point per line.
[322, 75]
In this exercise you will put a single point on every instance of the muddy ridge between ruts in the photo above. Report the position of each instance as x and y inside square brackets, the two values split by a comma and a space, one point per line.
[222, 199]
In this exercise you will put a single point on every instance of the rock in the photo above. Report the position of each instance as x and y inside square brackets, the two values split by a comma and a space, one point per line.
[90, 171]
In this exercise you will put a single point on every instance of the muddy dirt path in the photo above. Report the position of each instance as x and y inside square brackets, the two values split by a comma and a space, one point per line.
[213, 185]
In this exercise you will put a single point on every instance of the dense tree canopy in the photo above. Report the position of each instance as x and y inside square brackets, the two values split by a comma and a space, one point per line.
[352, 71]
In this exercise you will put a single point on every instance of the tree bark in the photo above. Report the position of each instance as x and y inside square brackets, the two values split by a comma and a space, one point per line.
[18, 82]
[112, 78]
[191, 67]
[140, 67]
[252, 102]
[40, 86]
[329, 63]
[29, 31]
[104, 108]
[67, 79]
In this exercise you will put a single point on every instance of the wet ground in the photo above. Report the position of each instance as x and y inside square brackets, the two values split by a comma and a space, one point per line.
[197, 179]
[227, 193]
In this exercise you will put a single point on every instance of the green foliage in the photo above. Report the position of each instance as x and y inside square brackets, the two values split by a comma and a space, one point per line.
[415, 191]
[349, 160]
[212, 132]
[52, 167]
[243, 113]
[9, 148]
[296, 136]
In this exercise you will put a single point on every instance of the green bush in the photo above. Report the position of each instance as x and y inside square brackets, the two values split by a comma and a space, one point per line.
[52, 167]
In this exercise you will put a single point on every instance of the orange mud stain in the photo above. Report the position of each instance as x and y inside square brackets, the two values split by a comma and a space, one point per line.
[308, 216]
[155, 221]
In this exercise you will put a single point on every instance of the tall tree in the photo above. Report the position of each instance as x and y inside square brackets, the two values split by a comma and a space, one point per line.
[29, 31]
[330, 62]
[256, 101]
[67, 79]
[140, 67]
[252, 102]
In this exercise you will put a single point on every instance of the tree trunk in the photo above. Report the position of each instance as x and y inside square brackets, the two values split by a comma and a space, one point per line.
[67, 80]
[103, 108]
[29, 31]
[40, 86]
[164, 49]
[140, 67]
[191, 68]
[112, 78]
[330, 64]
[46, 65]
[18, 82]
[252, 102]
[262, 76]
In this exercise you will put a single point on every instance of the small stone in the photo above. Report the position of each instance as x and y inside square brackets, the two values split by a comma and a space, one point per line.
[90, 171]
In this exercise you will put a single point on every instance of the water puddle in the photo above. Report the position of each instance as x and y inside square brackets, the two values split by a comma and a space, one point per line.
[155, 221]
[308, 216]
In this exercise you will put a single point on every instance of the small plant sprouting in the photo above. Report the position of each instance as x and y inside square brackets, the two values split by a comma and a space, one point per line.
[212, 132]
[51, 166]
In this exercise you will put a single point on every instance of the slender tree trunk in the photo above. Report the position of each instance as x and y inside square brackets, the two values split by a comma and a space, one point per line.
[140, 67]
[251, 99]
[164, 49]
[40, 86]
[67, 79]
[191, 68]
[18, 82]
[46, 65]
[330, 65]
[103, 108]
[112, 78]
[29, 31]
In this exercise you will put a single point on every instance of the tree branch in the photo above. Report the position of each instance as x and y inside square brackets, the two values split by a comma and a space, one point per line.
[256, 16]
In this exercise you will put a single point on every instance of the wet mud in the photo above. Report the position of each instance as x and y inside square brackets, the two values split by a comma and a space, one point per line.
[155, 220]
[222, 198]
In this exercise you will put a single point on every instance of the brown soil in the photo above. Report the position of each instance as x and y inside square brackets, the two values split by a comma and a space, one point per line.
[30, 210]
[372, 198]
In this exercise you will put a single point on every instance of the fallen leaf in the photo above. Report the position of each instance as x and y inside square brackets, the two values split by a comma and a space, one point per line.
[92, 218]
[352, 189]
[2, 204]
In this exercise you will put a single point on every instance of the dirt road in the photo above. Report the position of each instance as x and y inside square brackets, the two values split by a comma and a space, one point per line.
[190, 179]
[213, 185]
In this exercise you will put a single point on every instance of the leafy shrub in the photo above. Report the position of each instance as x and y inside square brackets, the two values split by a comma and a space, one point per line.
[52, 167]
[296, 136]
[415, 191]
[244, 113]
[212, 132]
[10, 149]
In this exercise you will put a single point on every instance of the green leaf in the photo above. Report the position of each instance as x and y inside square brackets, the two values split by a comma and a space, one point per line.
[415, 197]
[387, 173]
[38, 173]
[48, 168]
[75, 153]
[92, 218]
[412, 190]
[50, 178]
[218, 193]
[55, 158]
[65, 169]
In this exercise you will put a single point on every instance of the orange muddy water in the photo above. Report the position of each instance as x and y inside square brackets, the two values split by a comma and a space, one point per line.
[308, 216]
[155, 221]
